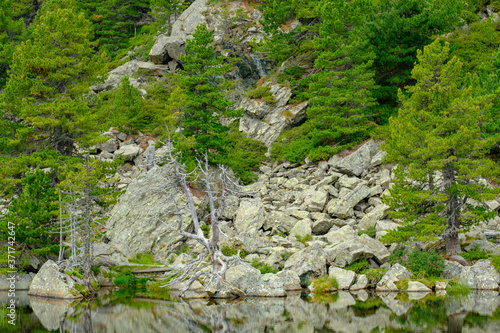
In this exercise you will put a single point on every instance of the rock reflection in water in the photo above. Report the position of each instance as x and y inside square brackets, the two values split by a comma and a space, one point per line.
[340, 312]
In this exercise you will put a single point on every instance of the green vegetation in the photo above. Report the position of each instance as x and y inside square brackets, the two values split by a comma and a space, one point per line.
[144, 259]
[263, 268]
[475, 254]
[370, 231]
[437, 113]
[324, 285]
[263, 93]
[227, 251]
[125, 279]
[422, 263]
[495, 261]
[359, 267]
[455, 287]
[304, 239]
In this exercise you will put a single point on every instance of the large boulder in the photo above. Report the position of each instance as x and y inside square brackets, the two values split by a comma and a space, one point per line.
[171, 47]
[356, 248]
[396, 273]
[291, 280]
[314, 201]
[482, 275]
[301, 229]
[343, 234]
[128, 152]
[307, 263]
[484, 245]
[344, 278]
[250, 216]
[279, 222]
[343, 207]
[143, 220]
[360, 160]
[371, 219]
[51, 282]
[253, 283]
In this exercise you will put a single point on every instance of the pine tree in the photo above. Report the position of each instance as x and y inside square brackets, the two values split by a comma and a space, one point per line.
[127, 105]
[438, 141]
[204, 84]
[339, 94]
[46, 79]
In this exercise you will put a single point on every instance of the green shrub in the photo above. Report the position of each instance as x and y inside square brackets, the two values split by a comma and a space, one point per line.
[370, 231]
[325, 284]
[304, 239]
[125, 279]
[227, 251]
[244, 154]
[425, 263]
[374, 276]
[475, 254]
[263, 268]
[263, 93]
[421, 263]
[144, 259]
[457, 287]
[359, 267]
[495, 261]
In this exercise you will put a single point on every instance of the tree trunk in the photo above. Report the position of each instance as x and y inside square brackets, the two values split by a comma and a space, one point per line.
[452, 212]
[86, 251]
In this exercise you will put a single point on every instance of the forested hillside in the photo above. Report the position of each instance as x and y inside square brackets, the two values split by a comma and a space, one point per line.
[318, 77]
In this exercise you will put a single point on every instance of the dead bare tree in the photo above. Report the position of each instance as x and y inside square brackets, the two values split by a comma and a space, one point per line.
[212, 257]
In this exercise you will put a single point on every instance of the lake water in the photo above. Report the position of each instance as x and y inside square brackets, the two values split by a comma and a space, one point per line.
[120, 311]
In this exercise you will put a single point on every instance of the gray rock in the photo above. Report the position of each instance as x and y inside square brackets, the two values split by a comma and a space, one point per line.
[343, 234]
[349, 182]
[253, 283]
[217, 287]
[361, 283]
[441, 285]
[451, 269]
[360, 160]
[51, 312]
[484, 245]
[344, 278]
[314, 201]
[279, 222]
[371, 219]
[481, 276]
[346, 253]
[396, 273]
[50, 282]
[322, 226]
[133, 230]
[230, 207]
[417, 287]
[378, 249]
[129, 152]
[301, 229]
[265, 122]
[343, 207]
[250, 216]
[109, 146]
[307, 263]
[291, 280]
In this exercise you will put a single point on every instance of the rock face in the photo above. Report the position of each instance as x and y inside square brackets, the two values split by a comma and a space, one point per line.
[480, 276]
[253, 283]
[50, 282]
[417, 286]
[307, 263]
[141, 230]
[344, 278]
[250, 216]
[396, 273]
[265, 122]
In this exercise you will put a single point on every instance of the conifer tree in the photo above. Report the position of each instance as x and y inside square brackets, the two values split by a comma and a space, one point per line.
[127, 105]
[204, 84]
[43, 88]
[438, 141]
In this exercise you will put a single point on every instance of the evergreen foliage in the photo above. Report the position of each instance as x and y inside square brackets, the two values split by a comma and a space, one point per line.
[438, 141]
[340, 93]
[34, 213]
[42, 89]
[204, 84]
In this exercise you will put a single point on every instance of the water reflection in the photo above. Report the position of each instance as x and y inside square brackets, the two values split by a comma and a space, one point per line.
[340, 312]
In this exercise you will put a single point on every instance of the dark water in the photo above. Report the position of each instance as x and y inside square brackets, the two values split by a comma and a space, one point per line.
[342, 312]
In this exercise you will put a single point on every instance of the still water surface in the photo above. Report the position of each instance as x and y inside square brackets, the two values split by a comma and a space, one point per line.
[122, 312]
